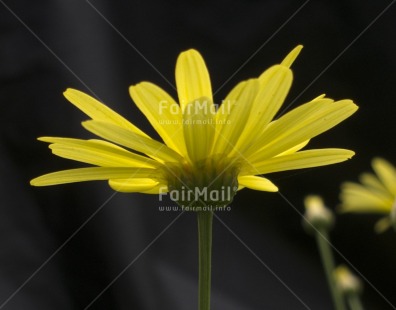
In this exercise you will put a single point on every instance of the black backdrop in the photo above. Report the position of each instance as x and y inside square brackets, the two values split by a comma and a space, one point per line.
[62, 246]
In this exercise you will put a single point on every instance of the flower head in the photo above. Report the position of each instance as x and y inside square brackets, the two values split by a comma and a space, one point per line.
[205, 146]
[376, 193]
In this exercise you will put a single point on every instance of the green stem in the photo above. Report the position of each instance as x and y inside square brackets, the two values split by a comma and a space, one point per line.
[205, 219]
[354, 302]
[326, 254]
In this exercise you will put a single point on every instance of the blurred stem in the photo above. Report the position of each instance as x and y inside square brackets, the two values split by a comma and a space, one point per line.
[326, 254]
[205, 219]
[354, 302]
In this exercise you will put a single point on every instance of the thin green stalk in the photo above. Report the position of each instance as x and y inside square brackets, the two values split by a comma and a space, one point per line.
[354, 302]
[205, 219]
[329, 266]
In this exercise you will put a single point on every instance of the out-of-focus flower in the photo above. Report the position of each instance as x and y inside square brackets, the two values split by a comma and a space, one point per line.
[346, 281]
[316, 214]
[376, 193]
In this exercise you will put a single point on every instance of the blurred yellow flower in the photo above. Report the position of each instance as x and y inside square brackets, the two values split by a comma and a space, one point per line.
[375, 193]
[204, 145]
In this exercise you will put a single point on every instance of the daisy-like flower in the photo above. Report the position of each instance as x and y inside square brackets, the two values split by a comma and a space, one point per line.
[208, 151]
[205, 146]
[376, 193]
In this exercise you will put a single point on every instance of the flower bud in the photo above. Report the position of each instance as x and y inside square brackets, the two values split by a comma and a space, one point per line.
[347, 282]
[317, 216]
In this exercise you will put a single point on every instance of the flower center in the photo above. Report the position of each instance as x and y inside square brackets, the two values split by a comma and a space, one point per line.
[206, 185]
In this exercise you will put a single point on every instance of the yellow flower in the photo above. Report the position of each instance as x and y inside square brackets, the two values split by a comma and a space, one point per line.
[204, 146]
[375, 194]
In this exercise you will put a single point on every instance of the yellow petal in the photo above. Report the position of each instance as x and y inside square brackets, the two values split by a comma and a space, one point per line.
[299, 125]
[257, 183]
[273, 88]
[386, 172]
[91, 174]
[162, 112]
[382, 225]
[96, 152]
[275, 84]
[289, 59]
[299, 160]
[357, 198]
[289, 123]
[132, 140]
[133, 185]
[192, 78]
[294, 149]
[223, 112]
[198, 128]
[371, 181]
[236, 109]
[98, 111]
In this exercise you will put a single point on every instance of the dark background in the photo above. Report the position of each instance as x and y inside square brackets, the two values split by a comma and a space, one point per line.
[47, 46]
